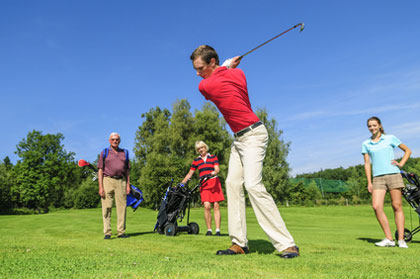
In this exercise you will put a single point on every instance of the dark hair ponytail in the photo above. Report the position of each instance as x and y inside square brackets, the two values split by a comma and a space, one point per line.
[381, 129]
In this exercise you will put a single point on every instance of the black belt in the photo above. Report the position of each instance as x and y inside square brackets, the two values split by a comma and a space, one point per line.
[247, 129]
[117, 177]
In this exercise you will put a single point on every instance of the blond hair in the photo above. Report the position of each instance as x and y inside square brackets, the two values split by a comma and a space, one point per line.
[199, 144]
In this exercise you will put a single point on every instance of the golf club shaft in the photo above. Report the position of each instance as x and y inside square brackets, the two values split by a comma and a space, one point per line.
[275, 37]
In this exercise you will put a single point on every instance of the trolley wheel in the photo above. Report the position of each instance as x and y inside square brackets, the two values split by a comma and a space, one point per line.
[170, 229]
[407, 235]
[194, 228]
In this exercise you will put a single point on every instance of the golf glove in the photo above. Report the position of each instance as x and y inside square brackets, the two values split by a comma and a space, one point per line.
[227, 63]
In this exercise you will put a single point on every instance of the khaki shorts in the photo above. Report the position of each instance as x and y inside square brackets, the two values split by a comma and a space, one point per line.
[388, 182]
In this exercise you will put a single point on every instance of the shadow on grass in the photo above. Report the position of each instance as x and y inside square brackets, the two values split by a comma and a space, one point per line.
[370, 240]
[260, 246]
[139, 233]
[373, 240]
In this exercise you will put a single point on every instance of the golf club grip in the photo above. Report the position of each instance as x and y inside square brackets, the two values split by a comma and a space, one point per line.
[275, 37]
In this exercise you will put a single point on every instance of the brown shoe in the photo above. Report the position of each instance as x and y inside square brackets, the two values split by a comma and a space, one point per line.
[233, 250]
[290, 252]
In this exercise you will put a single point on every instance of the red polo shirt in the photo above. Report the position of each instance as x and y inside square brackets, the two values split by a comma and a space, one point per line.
[227, 89]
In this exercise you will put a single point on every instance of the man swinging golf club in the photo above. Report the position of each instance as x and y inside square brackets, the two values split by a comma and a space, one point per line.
[226, 87]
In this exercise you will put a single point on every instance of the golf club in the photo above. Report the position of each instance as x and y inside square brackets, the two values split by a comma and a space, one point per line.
[83, 163]
[275, 37]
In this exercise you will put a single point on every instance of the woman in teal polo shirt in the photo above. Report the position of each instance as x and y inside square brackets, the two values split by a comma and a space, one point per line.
[379, 149]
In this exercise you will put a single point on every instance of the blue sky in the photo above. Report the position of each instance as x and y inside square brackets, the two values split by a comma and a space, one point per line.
[87, 68]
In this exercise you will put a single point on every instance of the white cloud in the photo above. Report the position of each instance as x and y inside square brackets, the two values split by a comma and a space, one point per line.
[407, 130]
[344, 112]
[387, 92]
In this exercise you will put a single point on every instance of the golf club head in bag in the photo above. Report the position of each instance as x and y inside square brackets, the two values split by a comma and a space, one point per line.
[93, 170]
[411, 191]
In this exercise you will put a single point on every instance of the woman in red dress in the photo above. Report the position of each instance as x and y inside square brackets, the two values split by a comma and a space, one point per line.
[211, 191]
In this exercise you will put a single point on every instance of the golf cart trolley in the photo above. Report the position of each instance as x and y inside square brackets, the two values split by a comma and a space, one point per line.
[173, 207]
[133, 199]
[411, 193]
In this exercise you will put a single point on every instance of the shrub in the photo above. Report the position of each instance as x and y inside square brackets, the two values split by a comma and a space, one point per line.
[86, 196]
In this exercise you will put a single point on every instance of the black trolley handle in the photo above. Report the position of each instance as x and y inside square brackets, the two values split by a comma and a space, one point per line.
[202, 180]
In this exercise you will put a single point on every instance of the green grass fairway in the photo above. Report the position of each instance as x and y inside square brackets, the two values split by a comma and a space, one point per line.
[335, 242]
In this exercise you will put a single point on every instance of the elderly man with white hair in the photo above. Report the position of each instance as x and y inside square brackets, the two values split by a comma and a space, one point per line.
[114, 181]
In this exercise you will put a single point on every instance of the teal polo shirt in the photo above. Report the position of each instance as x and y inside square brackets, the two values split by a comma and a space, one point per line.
[381, 154]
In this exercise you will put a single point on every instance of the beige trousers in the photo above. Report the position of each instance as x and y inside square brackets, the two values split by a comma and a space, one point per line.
[114, 188]
[245, 167]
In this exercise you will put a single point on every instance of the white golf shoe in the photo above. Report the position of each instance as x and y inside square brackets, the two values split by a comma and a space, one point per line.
[385, 243]
[402, 244]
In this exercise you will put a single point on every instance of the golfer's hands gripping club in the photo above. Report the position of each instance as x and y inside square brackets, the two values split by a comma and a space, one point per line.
[232, 62]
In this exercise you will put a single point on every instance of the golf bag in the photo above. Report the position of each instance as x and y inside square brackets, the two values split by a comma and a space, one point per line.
[411, 193]
[135, 197]
[173, 208]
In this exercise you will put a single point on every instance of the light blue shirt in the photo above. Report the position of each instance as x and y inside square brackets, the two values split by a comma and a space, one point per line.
[381, 154]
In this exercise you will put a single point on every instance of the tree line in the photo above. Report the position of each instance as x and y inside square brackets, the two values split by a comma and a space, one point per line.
[46, 175]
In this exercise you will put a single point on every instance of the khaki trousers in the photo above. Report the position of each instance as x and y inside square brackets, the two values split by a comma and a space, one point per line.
[114, 188]
[245, 167]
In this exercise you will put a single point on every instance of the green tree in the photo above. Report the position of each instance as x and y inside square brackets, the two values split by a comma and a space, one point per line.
[297, 193]
[152, 152]
[44, 172]
[7, 163]
[165, 141]
[181, 129]
[152, 135]
[354, 183]
[5, 185]
[276, 169]
[413, 165]
[210, 127]
[330, 174]
[86, 195]
[312, 192]
[135, 169]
